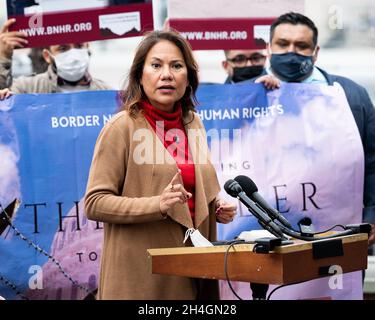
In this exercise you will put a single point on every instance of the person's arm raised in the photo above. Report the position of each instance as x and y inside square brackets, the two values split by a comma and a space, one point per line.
[9, 40]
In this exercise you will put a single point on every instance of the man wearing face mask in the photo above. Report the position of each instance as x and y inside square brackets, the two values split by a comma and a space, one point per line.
[293, 51]
[67, 70]
[241, 65]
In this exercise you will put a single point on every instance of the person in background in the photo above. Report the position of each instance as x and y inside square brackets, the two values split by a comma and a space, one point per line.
[293, 52]
[68, 66]
[38, 63]
[150, 191]
[241, 65]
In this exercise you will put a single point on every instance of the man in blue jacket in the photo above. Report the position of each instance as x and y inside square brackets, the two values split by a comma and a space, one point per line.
[293, 51]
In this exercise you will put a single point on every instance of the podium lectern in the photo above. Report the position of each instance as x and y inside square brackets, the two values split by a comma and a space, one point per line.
[297, 262]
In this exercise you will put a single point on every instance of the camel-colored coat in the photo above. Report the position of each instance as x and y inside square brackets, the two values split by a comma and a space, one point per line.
[125, 196]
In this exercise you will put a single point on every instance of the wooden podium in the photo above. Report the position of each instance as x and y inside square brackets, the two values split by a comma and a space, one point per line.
[297, 262]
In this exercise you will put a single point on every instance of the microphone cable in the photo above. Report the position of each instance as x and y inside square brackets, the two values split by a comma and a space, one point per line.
[297, 235]
[226, 266]
[282, 286]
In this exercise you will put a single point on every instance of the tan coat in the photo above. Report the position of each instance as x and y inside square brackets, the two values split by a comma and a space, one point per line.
[45, 82]
[125, 196]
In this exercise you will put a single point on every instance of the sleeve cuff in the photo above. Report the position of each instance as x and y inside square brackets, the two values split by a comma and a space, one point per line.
[369, 214]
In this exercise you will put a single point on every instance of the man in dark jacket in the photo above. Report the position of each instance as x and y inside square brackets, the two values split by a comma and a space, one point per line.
[293, 51]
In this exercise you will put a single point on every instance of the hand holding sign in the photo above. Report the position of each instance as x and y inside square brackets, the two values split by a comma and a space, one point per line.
[10, 40]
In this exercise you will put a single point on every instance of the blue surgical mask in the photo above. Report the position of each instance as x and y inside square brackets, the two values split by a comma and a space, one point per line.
[291, 66]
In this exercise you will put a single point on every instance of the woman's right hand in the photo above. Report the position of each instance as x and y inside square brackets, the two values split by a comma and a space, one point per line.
[173, 193]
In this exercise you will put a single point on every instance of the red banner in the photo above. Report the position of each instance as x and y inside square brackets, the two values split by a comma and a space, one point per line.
[86, 25]
[224, 34]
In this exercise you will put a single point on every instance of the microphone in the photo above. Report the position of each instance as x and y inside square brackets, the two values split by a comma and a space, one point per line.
[234, 189]
[251, 190]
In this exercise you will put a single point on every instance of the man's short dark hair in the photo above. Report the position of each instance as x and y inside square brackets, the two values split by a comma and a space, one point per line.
[295, 19]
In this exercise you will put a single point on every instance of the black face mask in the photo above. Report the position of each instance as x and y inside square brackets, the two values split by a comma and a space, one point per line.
[292, 67]
[246, 73]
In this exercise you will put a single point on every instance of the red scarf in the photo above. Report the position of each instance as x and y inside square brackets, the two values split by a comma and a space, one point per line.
[171, 132]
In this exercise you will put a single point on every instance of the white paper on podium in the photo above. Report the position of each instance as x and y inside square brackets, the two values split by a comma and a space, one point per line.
[251, 236]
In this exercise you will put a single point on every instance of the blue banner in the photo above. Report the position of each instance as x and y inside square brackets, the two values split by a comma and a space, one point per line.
[296, 143]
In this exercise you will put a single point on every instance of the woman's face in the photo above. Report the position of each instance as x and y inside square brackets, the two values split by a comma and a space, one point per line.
[165, 76]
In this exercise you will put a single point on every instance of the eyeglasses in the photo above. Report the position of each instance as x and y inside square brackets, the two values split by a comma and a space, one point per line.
[241, 60]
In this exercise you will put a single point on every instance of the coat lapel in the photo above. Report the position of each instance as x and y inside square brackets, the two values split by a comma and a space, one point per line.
[180, 212]
[206, 183]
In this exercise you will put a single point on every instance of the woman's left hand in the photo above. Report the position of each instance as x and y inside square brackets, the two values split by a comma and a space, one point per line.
[225, 211]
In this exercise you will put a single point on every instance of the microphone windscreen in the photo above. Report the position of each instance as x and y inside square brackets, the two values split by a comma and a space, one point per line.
[305, 221]
[232, 187]
[247, 185]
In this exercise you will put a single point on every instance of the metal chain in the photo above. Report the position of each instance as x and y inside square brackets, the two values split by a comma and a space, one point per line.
[40, 250]
[13, 287]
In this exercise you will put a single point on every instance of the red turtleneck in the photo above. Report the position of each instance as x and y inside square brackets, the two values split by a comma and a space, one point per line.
[172, 133]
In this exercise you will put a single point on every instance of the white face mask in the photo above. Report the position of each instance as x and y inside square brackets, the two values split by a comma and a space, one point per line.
[197, 238]
[72, 64]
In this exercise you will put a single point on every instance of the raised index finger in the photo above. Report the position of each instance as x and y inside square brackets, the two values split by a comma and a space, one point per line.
[177, 178]
[6, 25]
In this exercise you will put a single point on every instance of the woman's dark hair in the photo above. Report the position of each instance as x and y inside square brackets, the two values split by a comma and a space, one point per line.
[133, 92]
[295, 19]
